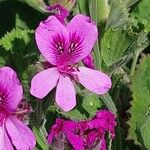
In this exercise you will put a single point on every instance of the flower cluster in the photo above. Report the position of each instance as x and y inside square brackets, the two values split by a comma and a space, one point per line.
[63, 46]
[85, 134]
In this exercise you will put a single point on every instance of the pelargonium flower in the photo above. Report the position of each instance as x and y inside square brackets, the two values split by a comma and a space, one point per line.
[13, 133]
[61, 14]
[85, 135]
[66, 130]
[103, 122]
[63, 47]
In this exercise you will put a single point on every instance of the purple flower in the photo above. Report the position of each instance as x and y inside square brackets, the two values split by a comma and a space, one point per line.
[63, 47]
[13, 133]
[85, 135]
[66, 130]
[103, 122]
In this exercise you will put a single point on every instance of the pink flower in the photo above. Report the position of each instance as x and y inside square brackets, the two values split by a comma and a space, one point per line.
[63, 47]
[13, 133]
[66, 130]
[85, 135]
[61, 14]
[103, 122]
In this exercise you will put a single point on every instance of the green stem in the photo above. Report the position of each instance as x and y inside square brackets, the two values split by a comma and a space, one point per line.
[118, 139]
[110, 143]
[99, 11]
[39, 113]
[83, 6]
[134, 63]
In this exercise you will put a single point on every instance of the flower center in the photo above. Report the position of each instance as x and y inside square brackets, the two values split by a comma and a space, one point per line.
[66, 69]
[2, 97]
[3, 114]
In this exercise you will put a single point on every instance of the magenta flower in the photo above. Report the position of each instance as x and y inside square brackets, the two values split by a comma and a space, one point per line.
[66, 130]
[103, 122]
[13, 133]
[85, 135]
[63, 47]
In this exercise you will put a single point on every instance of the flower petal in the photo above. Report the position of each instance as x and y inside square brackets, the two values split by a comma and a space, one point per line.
[65, 94]
[43, 82]
[50, 35]
[20, 135]
[55, 130]
[93, 80]
[4, 140]
[75, 140]
[88, 61]
[10, 89]
[83, 35]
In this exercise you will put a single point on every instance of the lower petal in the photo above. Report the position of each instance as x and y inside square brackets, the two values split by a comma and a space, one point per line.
[75, 140]
[94, 80]
[21, 136]
[5, 143]
[44, 82]
[65, 93]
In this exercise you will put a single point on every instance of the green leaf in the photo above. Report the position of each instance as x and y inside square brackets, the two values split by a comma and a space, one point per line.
[96, 49]
[91, 103]
[109, 102]
[118, 15]
[142, 13]
[74, 114]
[68, 4]
[145, 132]
[99, 10]
[141, 99]
[83, 6]
[129, 3]
[138, 46]
[114, 45]
[86, 108]
[36, 4]
[7, 41]
[2, 61]
[2, 0]
[41, 140]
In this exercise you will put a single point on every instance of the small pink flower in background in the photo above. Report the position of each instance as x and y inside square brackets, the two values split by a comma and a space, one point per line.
[63, 47]
[85, 135]
[13, 133]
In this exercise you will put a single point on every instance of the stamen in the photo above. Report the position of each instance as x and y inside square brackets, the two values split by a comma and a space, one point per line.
[22, 111]
[59, 44]
[75, 43]
[1, 99]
